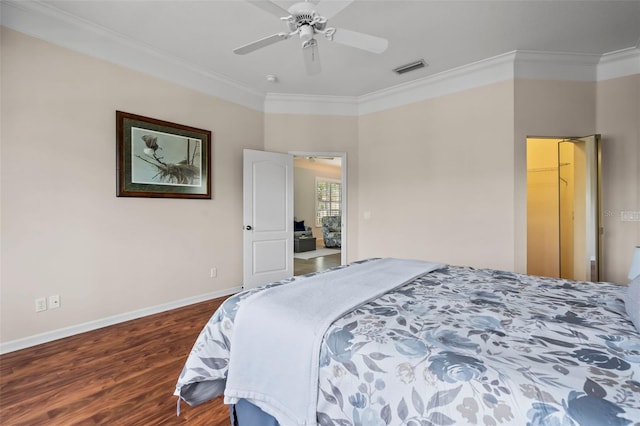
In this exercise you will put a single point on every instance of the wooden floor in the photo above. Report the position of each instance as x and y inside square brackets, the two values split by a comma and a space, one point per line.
[119, 375]
[305, 266]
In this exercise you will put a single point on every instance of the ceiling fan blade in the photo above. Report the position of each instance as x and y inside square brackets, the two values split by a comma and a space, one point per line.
[311, 57]
[270, 7]
[258, 44]
[330, 8]
[360, 40]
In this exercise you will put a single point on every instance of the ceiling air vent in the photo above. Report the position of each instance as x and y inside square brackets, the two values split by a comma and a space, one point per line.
[410, 67]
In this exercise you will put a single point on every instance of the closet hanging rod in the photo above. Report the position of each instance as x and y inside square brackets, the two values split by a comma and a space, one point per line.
[547, 169]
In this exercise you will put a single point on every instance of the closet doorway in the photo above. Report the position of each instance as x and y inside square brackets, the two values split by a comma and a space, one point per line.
[320, 190]
[563, 207]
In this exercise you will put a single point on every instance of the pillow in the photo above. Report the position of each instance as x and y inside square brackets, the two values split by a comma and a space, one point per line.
[298, 226]
[632, 301]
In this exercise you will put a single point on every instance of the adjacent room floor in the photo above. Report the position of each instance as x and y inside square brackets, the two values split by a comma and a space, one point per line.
[306, 266]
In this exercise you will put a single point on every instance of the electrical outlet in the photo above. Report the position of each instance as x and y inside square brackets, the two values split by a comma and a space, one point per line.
[213, 273]
[54, 301]
[41, 304]
[630, 216]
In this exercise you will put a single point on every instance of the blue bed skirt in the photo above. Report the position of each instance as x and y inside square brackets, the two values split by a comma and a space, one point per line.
[245, 413]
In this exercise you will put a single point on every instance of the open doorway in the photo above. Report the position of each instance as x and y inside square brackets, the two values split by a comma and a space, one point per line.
[319, 211]
[563, 224]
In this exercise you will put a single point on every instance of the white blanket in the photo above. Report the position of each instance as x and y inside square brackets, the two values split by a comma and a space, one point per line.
[277, 334]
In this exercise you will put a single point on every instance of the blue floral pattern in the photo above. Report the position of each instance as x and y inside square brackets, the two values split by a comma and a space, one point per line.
[467, 346]
[332, 231]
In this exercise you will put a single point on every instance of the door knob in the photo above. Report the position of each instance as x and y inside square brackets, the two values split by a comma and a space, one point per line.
[248, 228]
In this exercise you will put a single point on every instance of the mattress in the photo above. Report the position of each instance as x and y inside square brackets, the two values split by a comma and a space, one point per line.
[460, 345]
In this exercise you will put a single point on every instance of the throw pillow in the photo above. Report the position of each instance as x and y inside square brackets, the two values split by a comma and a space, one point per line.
[632, 302]
[298, 226]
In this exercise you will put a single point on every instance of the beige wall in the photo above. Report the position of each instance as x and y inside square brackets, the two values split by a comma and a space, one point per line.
[320, 133]
[551, 109]
[443, 179]
[611, 108]
[618, 120]
[63, 229]
[436, 179]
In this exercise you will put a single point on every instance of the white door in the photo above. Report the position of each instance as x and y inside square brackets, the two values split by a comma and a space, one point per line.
[268, 217]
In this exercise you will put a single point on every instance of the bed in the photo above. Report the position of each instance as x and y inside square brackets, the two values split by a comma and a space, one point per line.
[447, 345]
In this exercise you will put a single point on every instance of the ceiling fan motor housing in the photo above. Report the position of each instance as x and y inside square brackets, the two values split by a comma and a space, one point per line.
[302, 14]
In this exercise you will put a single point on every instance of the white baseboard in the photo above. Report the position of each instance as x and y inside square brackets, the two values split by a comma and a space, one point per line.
[61, 333]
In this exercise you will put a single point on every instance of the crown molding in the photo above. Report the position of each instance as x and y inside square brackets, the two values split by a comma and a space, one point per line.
[481, 73]
[508, 66]
[279, 103]
[555, 66]
[45, 22]
[620, 63]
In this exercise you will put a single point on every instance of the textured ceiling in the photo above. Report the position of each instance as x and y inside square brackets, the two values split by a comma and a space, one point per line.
[446, 34]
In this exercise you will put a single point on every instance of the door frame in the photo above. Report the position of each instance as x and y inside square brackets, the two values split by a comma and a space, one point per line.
[344, 186]
[594, 234]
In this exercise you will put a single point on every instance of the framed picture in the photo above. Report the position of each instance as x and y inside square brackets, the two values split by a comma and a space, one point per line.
[157, 158]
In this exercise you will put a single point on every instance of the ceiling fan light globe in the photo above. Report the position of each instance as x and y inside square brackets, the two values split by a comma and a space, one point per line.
[306, 33]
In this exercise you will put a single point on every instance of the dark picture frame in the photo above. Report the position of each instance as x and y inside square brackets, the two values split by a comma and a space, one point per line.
[160, 159]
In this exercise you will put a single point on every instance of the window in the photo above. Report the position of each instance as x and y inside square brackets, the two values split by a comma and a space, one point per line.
[328, 198]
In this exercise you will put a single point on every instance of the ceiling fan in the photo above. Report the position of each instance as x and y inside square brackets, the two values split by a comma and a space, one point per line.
[306, 20]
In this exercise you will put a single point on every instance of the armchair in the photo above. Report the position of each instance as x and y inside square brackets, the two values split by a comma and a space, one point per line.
[332, 231]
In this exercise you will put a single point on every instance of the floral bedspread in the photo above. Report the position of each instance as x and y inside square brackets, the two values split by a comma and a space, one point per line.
[463, 346]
